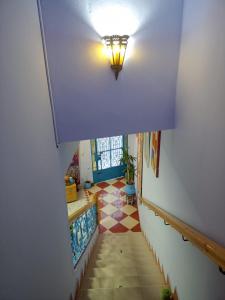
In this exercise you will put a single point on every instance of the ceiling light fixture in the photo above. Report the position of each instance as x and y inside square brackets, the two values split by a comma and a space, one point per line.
[116, 46]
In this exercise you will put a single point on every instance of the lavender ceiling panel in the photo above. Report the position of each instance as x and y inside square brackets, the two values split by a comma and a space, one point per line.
[88, 102]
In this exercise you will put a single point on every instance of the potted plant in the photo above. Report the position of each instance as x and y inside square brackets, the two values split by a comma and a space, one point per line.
[130, 171]
[166, 294]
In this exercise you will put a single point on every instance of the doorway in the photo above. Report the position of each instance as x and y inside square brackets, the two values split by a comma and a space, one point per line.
[106, 155]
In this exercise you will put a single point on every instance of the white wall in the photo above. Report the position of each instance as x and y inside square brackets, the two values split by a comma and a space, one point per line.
[35, 252]
[132, 144]
[192, 273]
[192, 169]
[85, 161]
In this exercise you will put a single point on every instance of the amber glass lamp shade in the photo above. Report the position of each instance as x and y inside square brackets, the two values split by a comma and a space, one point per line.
[116, 46]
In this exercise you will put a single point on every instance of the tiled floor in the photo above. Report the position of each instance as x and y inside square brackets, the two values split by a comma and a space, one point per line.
[115, 215]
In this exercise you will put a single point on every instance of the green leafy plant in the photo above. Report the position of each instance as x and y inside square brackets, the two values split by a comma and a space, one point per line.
[166, 294]
[130, 171]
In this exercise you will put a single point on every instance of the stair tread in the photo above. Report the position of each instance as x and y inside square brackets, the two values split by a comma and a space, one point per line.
[115, 271]
[131, 293]
[122, 252]
[138, 259]
[123, 262]
[123, 281]
[120, 262]
[119, 256]
[122, 267]
[130, 245]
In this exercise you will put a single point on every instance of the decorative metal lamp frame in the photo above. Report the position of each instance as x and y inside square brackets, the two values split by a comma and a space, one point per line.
[116, 46]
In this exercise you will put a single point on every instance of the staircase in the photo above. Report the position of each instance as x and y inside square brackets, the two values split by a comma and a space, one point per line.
[122, 267]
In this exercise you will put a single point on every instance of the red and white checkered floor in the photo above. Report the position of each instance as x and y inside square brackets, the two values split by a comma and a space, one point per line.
[115, 215]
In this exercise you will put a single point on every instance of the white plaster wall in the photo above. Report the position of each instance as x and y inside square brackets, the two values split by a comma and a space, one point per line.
[35, 251]
[85, 161]
[192, 165]
[192, 169]
[195, 276]
[131, 144]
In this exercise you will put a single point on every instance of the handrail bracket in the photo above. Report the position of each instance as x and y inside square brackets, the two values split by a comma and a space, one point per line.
[222, 271]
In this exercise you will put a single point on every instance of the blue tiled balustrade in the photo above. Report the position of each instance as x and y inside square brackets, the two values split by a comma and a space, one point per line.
[81, 231]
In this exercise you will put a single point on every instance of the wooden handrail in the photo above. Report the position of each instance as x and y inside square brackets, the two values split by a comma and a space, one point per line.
[209, 247]
[79, 212]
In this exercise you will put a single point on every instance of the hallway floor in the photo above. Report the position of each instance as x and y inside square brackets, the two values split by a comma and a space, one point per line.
[115, 215]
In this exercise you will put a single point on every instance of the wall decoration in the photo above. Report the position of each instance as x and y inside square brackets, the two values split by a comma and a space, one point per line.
[155, 151]
[147, 148]
[74, 168]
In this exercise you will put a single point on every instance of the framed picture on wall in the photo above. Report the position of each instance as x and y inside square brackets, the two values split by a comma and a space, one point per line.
[155, 151]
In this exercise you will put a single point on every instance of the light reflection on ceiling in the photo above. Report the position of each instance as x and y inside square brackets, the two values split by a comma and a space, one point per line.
[109, 17]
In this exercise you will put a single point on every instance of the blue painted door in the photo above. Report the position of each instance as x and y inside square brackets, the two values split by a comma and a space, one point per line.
[107, 154]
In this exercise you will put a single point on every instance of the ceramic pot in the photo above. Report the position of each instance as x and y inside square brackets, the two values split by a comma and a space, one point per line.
[130, 189]
[87, 185]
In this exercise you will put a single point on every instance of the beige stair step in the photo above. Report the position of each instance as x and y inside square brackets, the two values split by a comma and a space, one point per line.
[119, 255]
[124, 252]
[129, 234]
[141, 247]
[127, 248]
[128, 258]
[107, 244]
[124, 261]
[123, 281]
[138, 244]
[113, 270]
[132, 239]
[122, 267]
[122, 271]
[126, 235]
[135, 242]
[122, 236]
[129, 293]
[119, 234]
[128, 245]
